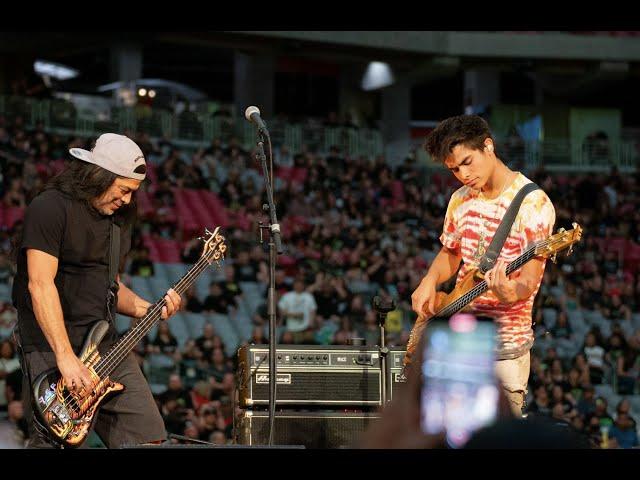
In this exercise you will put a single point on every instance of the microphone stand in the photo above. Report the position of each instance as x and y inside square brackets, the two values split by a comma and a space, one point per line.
[275, 246]
[383, 309]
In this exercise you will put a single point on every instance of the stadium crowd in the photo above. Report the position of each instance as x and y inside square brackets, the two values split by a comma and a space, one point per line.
[353, 228]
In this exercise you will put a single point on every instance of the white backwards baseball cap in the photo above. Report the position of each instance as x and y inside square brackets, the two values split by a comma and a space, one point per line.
[116, 153]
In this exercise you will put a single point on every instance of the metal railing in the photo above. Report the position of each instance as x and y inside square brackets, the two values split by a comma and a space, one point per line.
[194, 130]
[188, 128]
[565, 154]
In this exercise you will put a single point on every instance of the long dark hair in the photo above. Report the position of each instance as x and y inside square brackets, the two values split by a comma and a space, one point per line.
[84, 181]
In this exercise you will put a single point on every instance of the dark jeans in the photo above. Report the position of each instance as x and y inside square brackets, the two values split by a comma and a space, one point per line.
[130, 417]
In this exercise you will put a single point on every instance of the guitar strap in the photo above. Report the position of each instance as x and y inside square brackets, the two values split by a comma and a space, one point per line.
[488, 260]
[114, 262]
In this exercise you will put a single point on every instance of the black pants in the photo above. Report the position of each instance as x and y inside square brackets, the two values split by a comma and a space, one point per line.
[130, 417]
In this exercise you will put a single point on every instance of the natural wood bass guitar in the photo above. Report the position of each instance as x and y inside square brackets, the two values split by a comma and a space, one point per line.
[472, 285]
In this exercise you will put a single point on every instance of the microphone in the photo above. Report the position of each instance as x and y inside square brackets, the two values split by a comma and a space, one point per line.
[253, 115]
[381, 306]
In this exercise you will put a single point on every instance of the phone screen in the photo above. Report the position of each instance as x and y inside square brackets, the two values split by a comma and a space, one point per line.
[460, 390]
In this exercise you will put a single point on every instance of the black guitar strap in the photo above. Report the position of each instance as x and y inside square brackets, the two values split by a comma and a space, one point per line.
[488, 260]
[114, 262]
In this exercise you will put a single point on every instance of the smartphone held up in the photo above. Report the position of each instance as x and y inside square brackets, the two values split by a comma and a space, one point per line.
[460, 390]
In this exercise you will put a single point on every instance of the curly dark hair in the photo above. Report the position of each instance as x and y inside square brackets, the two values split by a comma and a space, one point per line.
[468, 130]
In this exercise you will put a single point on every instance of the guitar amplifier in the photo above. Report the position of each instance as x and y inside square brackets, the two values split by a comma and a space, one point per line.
[311, 429]
[319, 375]
[395, 377]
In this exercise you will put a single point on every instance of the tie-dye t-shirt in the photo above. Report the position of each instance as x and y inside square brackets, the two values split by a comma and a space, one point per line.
[469, 226]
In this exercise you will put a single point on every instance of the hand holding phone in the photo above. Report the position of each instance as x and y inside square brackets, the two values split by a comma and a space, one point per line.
[460, 391]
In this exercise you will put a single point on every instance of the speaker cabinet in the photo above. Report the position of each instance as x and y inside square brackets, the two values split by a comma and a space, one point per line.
[311, 429]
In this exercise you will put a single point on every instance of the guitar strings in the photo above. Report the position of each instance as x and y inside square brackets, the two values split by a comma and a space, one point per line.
[150, 318]
[482, 286]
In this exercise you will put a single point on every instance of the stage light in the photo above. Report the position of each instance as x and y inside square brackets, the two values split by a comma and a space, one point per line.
[152, 93]
[55, 70]
[142, 92]
[377, 75]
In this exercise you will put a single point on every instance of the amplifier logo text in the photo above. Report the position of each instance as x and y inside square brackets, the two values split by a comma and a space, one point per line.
[282, 378]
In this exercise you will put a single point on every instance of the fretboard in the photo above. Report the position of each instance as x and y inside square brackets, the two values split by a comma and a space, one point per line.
[119, 351]
[482, 286]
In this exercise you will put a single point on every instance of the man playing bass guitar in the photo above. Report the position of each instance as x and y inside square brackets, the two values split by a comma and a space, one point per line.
[63, 287]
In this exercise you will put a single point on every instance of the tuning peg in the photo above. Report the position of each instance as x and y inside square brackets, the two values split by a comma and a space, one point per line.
[570, 251]
[554, 258]
[206, 231]
[561, 230]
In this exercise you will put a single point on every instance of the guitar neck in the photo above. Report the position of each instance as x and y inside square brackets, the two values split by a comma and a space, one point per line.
[122, 347]
[482, 286]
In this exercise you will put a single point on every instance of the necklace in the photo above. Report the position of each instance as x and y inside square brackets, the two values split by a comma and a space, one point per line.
[485, 223]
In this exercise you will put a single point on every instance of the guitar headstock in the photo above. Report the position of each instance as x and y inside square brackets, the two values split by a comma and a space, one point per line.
[550, 247]
[214, 246]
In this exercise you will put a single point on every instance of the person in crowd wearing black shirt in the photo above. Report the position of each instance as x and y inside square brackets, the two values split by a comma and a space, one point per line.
[63, 288]
[217, 301]
[142, 266]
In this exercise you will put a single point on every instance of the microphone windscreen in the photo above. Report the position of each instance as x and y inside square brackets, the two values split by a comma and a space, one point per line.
[250, 111]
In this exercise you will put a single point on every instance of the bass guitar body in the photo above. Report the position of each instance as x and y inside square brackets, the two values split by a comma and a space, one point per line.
[68, 416]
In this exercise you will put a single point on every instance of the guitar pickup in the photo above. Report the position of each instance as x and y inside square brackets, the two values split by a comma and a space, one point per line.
[61, 412]
[478, 275]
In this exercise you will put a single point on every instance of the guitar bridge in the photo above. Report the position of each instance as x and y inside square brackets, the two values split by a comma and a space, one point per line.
[61, 412]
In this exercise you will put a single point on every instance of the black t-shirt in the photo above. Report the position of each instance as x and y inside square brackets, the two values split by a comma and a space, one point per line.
[327, 304]
[246, 273]
[79, 237]
[166, 346]
[217, 303]
[142, 267]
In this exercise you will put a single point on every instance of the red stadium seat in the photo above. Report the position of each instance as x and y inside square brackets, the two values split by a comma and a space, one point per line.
[163, 250]
[397, 190]
[632, 258]
[616, 245]
[298, 175]
[145, 204]
[12, 215]
[284, 173]
[187, 221]
[152, 173]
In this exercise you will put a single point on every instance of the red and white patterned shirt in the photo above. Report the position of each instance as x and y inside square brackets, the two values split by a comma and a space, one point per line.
[470, 223]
